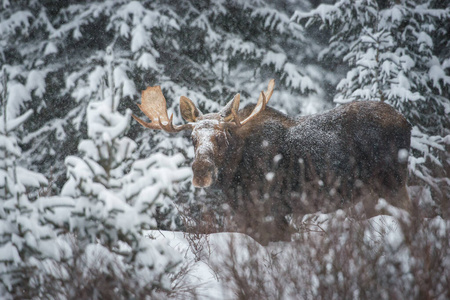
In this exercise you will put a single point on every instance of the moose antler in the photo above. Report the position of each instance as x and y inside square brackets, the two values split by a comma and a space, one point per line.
[263, 99]
[153, 105]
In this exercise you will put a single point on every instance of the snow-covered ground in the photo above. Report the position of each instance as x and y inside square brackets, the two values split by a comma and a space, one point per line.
[214, 263]
[200, 255]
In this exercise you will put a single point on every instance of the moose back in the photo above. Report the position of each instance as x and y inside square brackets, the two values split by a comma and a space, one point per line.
[269, 165]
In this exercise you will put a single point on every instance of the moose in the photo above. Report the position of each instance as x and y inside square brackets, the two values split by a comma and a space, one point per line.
[268, 165]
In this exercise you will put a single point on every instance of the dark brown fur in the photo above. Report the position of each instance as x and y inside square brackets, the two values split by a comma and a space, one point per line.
[277, 165]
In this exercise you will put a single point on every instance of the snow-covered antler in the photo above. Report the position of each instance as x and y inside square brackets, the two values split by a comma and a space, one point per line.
[264, 98]
[153, 105]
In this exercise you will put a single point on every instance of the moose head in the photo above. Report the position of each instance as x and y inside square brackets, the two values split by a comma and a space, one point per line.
[212, 134]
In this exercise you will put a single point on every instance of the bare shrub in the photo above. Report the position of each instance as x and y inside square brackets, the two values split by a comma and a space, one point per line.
[182, 287]
[402, 256]
[89, 272]
[344, 254]
[197, 232]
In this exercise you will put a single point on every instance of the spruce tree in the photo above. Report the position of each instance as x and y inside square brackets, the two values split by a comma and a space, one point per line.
[108, 220]
[26, 243]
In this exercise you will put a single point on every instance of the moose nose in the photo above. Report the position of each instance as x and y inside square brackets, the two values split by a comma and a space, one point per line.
[204, 175]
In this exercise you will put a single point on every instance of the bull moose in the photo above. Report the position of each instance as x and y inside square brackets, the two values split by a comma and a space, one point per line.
[269, 165]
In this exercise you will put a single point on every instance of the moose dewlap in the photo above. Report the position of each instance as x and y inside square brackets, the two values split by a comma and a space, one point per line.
[268, 164]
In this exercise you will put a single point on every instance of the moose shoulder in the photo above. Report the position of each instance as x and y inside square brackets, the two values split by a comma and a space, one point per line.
[268, 164]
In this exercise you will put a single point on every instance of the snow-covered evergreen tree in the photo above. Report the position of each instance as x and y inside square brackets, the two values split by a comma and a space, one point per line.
[25, 242]
[110, 213]
[390, 49]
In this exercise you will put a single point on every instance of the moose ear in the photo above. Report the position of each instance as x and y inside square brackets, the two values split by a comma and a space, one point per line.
[188, 110]
[227, 112]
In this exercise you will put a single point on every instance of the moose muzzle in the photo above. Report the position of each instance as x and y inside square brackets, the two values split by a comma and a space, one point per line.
[204, 173]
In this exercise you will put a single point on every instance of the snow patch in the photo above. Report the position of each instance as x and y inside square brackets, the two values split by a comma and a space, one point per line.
[50, 48]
